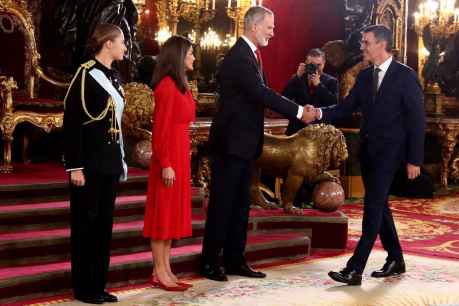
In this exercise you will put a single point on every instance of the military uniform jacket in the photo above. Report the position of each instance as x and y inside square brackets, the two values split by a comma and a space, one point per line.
[91, 144]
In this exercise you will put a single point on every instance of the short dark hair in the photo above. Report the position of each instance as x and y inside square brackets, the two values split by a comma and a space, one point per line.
[171, 62]
[381, 32]
[316, 52]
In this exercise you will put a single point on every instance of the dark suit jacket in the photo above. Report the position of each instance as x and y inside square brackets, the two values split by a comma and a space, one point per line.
[90, 146]
[393, 126]
[238, 126]
[298, 90]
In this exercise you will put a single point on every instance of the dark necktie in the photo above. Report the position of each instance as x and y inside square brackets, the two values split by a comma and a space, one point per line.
[375, 82]
[260, 61]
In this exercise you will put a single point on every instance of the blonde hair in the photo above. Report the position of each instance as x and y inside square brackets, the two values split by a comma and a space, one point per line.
[103, 33]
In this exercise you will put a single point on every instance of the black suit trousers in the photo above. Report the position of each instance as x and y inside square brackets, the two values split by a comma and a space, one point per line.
[228, 211]
[377, 215]
[91, 209]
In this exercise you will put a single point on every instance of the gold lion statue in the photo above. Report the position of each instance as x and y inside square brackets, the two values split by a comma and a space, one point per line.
[304, 156]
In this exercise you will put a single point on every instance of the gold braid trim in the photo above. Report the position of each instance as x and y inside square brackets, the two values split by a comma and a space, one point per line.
[102, 115]
[113, 131]
[71, 84]
[86, 66]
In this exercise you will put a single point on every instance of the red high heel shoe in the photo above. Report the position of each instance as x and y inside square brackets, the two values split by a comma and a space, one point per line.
[157, 284]
[185, 285]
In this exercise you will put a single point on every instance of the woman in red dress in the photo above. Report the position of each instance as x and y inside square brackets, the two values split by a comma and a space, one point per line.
[168, 207]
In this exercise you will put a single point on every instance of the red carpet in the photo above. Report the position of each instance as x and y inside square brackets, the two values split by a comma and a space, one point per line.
[428, 227]
[46, 173]
[9, 272]
[61, 204]
[64, 232]
[34, 233]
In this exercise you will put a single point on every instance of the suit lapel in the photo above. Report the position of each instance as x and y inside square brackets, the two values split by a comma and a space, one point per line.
[247, 50]
[368, 81]
[387, 77]
[244, 46]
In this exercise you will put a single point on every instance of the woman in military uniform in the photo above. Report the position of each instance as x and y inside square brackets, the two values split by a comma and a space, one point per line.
[94, 159]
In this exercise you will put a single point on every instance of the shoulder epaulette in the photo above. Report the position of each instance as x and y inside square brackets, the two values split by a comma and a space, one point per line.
[88, 64]
[83, 67]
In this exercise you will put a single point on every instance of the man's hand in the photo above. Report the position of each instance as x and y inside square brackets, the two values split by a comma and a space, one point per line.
[168, 176]
[301, 69]
[412, 171]
[314, 79]
[309, 114]
[309, 107]
[77, 178]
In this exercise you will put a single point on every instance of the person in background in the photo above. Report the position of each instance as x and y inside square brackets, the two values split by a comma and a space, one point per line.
[145, 69]
[168, 206]
[310, 85]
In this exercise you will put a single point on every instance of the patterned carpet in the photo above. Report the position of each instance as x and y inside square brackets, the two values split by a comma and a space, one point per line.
[429, 282]
[428, 229]
[425, 226]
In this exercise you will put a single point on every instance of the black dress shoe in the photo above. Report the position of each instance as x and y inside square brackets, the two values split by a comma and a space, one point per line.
[390, 268]
[109, 298]
[347, 276]
[213, 272]
[90, 299]
[245, 270]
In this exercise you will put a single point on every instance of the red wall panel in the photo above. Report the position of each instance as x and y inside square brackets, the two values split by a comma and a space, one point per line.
[300, 26]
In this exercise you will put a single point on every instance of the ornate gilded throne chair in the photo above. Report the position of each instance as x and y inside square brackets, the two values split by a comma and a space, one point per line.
[20, 79]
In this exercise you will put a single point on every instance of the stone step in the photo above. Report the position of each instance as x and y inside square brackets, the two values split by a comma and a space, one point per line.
[34, 281]
[25, 216]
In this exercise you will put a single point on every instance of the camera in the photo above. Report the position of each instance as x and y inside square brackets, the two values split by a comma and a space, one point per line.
[311, 69]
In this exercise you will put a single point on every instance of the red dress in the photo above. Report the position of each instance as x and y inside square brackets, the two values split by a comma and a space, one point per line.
[168, 210]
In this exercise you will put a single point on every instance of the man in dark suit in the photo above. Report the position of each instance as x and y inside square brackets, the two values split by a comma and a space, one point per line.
[312, 86]
[392, 134]
[236, 140]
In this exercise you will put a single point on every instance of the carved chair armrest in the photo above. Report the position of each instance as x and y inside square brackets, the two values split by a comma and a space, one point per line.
[7, 85]
[41, 74]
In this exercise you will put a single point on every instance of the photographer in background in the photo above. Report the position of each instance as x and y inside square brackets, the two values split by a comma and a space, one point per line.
[311, 86]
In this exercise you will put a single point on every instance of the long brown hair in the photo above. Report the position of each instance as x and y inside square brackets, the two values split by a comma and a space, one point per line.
[171, 62]
[103, 33]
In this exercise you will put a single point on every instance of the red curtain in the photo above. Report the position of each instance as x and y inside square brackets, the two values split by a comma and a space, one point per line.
[300, 26]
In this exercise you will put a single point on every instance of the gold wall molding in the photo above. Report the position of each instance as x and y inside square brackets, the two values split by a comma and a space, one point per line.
[392, 14]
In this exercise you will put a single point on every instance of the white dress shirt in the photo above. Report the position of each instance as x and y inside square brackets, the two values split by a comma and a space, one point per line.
[253, 47]
[383, 69]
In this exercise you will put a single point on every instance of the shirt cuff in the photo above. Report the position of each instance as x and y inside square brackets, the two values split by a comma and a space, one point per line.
[299, 115]
[320, 114]
[73, 169]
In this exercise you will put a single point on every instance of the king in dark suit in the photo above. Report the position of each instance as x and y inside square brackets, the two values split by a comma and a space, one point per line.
[236, 140]
[392, 134]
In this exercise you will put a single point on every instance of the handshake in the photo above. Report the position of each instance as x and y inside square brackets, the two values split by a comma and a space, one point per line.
[310, 114]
